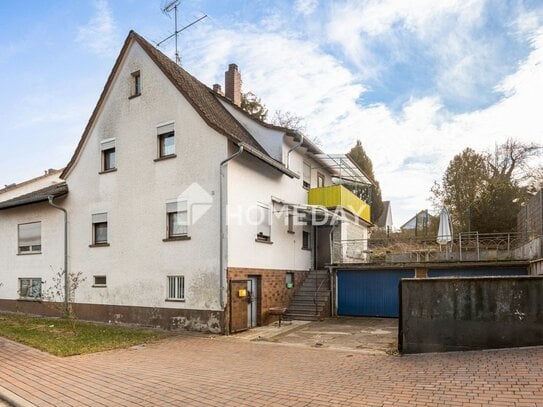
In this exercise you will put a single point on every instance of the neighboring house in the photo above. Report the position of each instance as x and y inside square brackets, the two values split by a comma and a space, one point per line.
[384, 222]
[175, 199]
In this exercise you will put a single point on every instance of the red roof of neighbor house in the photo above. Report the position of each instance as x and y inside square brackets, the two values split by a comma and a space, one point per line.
[201, 97]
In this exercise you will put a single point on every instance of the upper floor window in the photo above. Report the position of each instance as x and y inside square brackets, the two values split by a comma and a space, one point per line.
[99, 229]
[166, 140]
[263, 231]
[306, 238]
[307, 175]
[320, 180]
[136, 83]
[29, 238]
[109, 158]
[177, 214]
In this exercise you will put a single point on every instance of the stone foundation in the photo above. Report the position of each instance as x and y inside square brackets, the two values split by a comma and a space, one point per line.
[165, 318]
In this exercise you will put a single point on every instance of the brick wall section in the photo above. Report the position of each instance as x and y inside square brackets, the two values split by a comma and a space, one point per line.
[273, 290]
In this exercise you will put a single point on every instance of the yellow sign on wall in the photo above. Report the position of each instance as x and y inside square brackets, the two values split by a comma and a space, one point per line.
[242, 292]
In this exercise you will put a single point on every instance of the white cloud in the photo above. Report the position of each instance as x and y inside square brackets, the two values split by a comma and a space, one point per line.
[100, 34]
[410, 149]
[306, 7]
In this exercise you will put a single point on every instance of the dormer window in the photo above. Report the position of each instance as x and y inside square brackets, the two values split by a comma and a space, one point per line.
[136, 84]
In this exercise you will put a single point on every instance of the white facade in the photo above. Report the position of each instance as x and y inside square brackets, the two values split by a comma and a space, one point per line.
[138, 258]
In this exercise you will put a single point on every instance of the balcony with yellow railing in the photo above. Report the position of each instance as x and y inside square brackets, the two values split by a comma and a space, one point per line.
[339, 196]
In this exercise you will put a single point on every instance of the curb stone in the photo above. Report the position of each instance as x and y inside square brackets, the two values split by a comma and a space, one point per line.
[12, 399]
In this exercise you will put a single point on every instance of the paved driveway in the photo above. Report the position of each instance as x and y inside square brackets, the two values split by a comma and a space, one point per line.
[195, 370]
[372, 336]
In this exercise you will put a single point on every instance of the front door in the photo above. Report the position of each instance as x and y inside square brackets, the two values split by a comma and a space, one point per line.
[322, 246]
[252, 301]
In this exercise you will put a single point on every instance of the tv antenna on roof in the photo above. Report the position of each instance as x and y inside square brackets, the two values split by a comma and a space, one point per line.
[167, 8]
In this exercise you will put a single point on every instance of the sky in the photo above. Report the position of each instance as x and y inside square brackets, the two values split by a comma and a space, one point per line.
[416, 81]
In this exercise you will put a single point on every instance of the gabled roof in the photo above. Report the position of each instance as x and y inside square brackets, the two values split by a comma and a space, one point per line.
[382, 220]
[201, 97]
[41, 195]
[11, 187]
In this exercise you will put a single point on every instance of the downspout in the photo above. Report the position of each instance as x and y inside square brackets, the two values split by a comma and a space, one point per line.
[66, 279]
[222, 221]
[294, 148]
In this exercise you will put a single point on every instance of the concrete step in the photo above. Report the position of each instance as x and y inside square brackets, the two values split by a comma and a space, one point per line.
[301, 317]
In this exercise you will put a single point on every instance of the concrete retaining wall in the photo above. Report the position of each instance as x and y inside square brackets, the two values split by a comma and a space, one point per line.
[453, 314]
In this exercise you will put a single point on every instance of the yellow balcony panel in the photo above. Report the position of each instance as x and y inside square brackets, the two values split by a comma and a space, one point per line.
[339, 196]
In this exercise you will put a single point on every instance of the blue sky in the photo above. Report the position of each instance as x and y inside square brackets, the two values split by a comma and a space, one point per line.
[416, 81]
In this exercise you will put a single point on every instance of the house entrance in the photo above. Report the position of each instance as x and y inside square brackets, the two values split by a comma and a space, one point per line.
[244, 303]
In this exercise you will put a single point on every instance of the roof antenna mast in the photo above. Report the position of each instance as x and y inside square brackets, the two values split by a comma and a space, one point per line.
[167, 8]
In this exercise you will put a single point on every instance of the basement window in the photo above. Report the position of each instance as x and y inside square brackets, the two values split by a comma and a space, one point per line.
[289, 280]
[30, 288]
[100, 281]
[176, 288]
[29, 241]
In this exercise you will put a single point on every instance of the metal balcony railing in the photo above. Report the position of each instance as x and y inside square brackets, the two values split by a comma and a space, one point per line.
[470, 247]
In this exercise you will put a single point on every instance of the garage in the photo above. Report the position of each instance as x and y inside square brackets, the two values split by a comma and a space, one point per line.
[370, 293]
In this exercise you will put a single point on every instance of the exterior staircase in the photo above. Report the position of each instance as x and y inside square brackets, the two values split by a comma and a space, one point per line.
[312, 300]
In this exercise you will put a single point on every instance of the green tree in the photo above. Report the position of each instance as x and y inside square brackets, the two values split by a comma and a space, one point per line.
[370, 194]
[254, 106]
[484, 191]
[463, 182]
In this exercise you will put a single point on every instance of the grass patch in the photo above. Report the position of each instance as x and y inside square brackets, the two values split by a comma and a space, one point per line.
[57, 337]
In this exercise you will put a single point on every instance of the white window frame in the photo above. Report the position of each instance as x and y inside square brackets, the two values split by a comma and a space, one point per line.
[173, 207]
[263, 220]
[99, 284]
[306, 180]
[99, 218]
[165, 130]
[176, 288]
[31, 248]
[309, 231]
[30, 280]
[106, 146]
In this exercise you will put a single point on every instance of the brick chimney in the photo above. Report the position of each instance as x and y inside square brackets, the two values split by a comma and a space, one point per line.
[217, 89]
[232, 84]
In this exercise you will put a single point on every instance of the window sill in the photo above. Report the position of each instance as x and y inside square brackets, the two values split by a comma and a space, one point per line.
[165, 157]
[292, 232]
[306, 248]
[99, 245]
[134, 96]
[108, 171]
[29, 299]
[174, 300]
[263, 241]
[99, 286]
[176, 238]
[28, 254]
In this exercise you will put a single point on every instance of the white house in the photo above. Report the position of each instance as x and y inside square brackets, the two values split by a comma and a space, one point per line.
[182, 210]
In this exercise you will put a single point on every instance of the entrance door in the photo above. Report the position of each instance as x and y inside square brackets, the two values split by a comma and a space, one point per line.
[322, 246]
[252, 301]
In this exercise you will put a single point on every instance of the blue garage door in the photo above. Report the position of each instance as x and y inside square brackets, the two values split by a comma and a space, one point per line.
[478, 272]
[370, 293]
